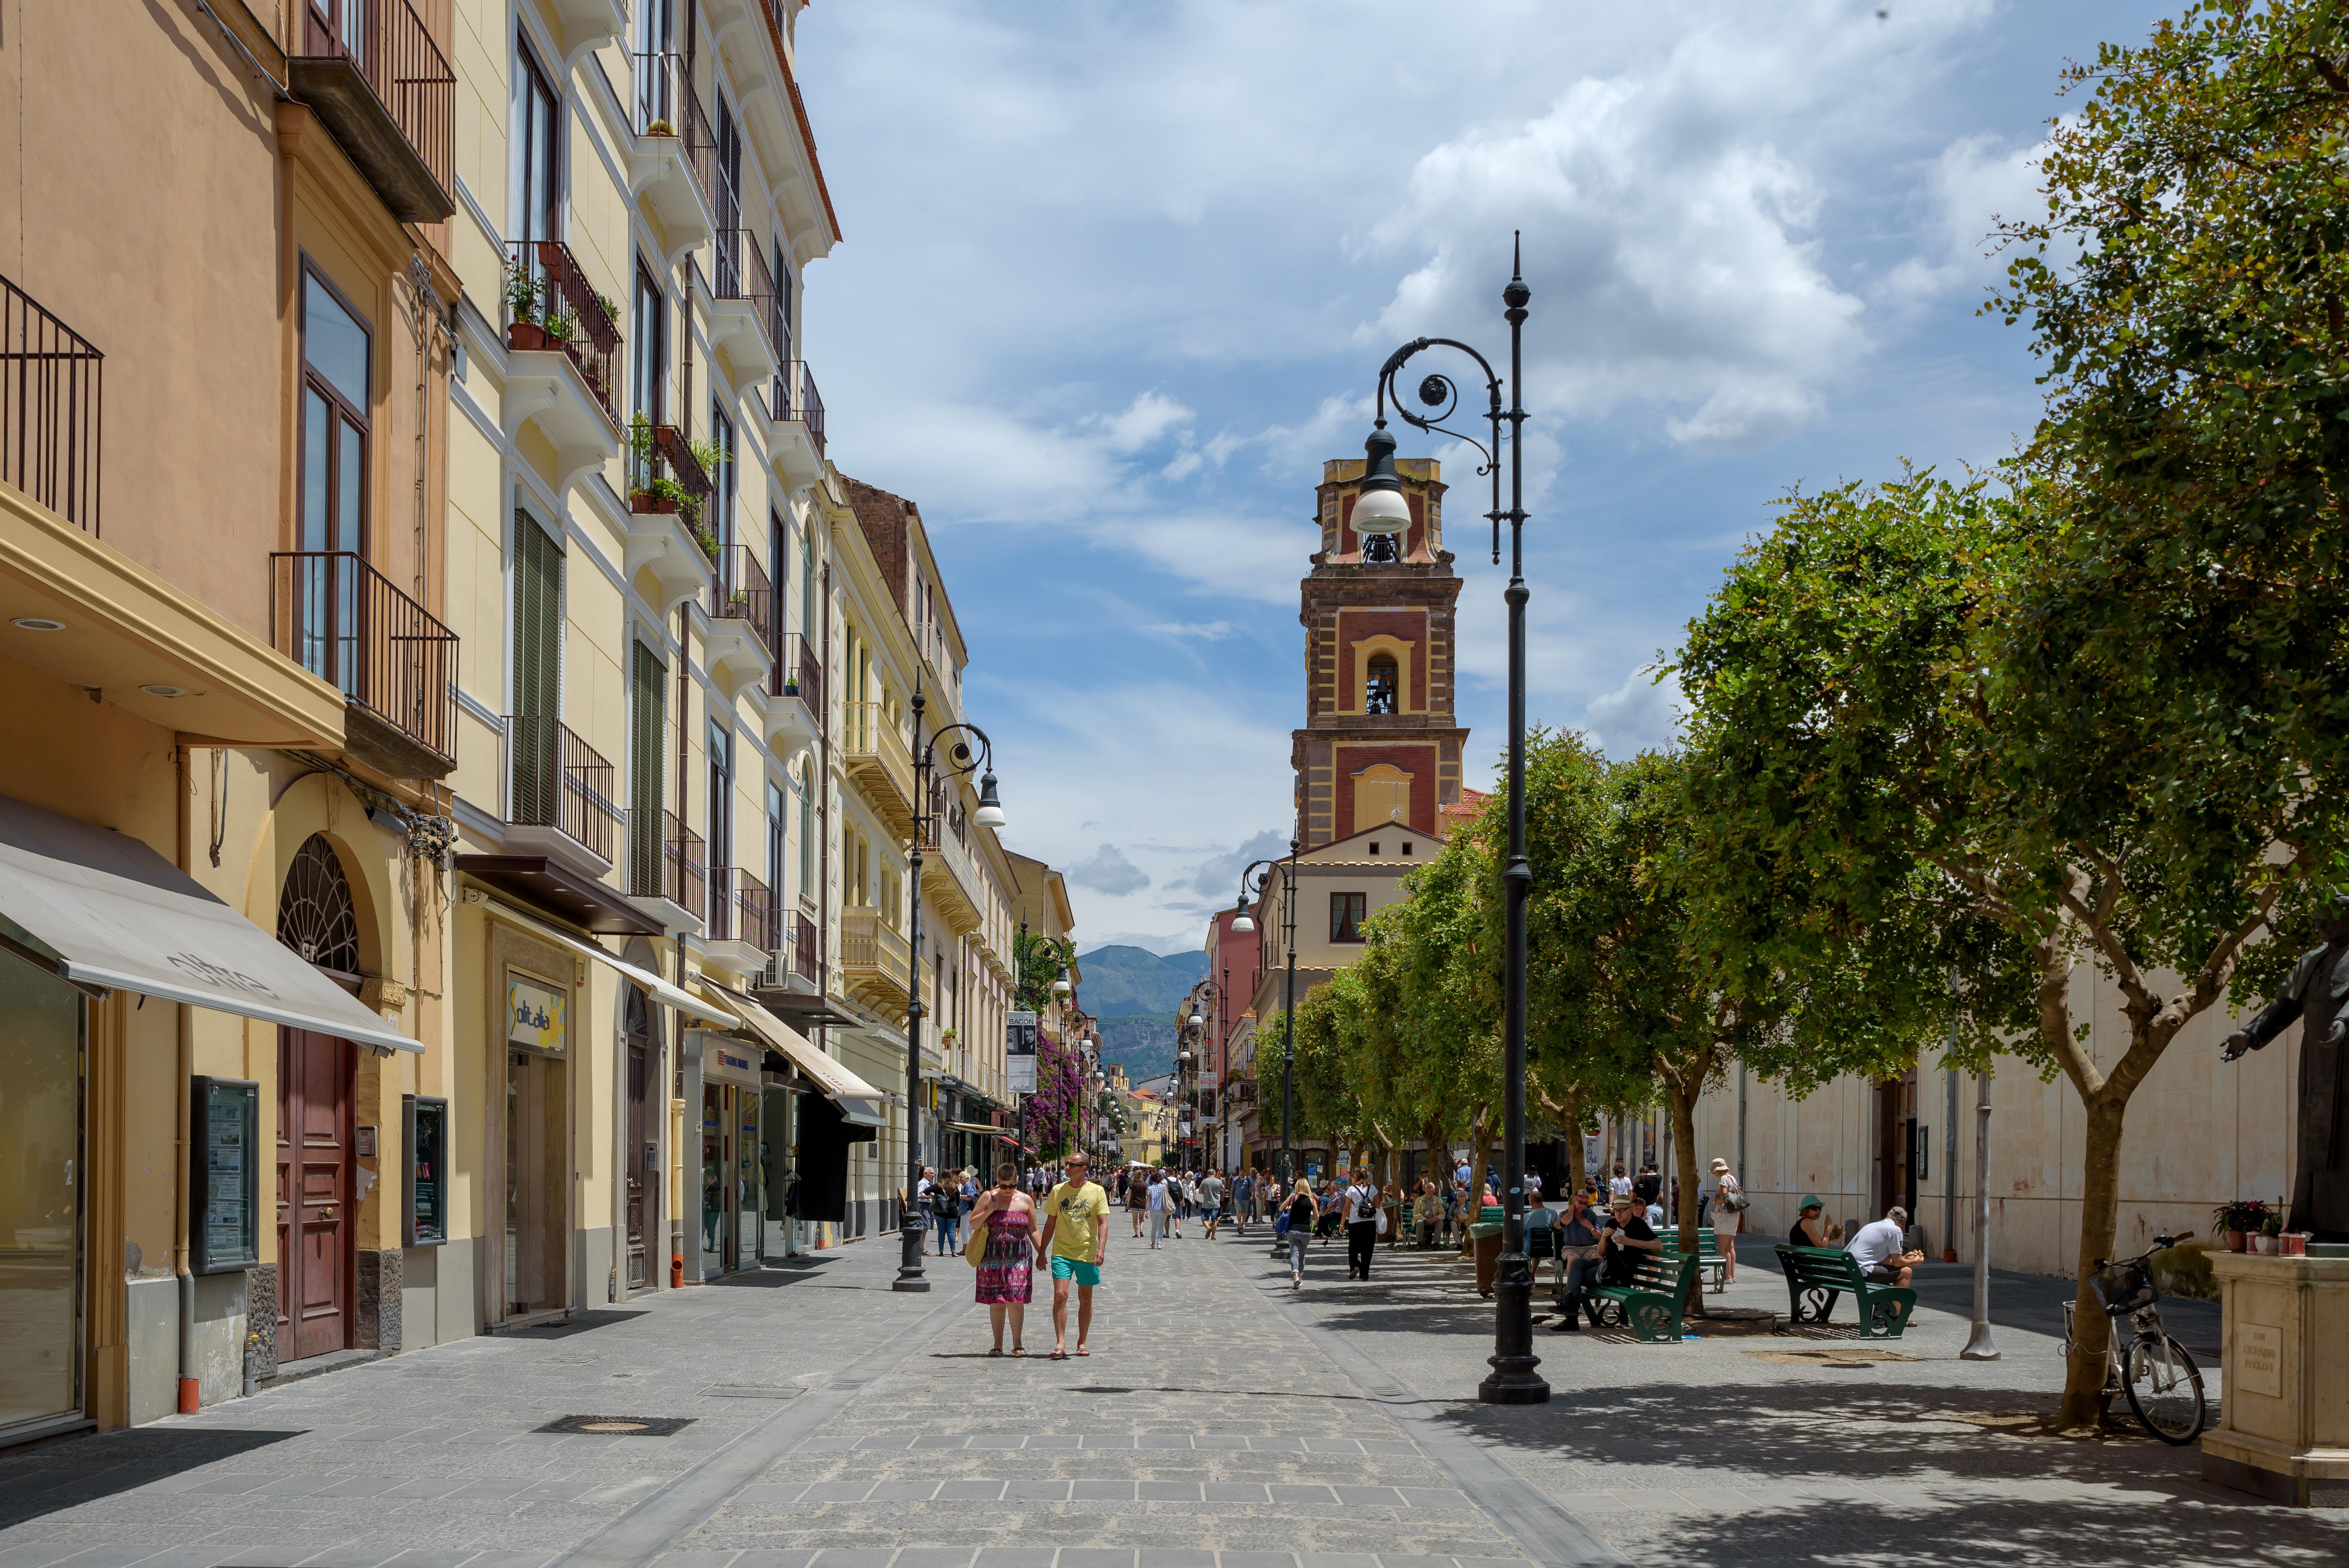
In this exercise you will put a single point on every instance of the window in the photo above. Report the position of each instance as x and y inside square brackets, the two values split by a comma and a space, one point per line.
[334, 383]
[1407, 846]
[777, 840]
[729, 200]
[783, 282]
[537, 695]
[721, 797]
[1384, 682]
[1374, 846]
[648, 353]
[1346, 912]
[648, 685]
[807, 834]
[722, 483]
[538, 150]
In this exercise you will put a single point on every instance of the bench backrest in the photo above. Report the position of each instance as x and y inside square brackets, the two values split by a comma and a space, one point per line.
[1662, 1272]
[1823, 1265]
[1706, 1242]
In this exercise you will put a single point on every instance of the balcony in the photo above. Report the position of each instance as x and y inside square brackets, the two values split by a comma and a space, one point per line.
[560, 796]
[343, 621]
[795, 719]
[948, 874]
[50, 383]
[667, 878]
[371, 73]
[741, 603]
[673, 170]
[743, 306]
[796, 438]
[874, 962]
[563, 356]
[745, 926]
[874, 751]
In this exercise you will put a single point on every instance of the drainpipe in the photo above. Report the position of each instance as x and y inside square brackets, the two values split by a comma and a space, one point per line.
[186, 1055]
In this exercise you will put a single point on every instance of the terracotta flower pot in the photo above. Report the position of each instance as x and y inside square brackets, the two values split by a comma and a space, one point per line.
[525, 335]
[644, 502]
[2234, 1241]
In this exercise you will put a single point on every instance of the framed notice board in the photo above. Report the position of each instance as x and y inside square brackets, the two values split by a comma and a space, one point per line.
[225, 1230]
[424, 1171]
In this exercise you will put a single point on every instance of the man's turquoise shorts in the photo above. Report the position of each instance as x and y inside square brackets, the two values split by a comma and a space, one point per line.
[1084, 1273]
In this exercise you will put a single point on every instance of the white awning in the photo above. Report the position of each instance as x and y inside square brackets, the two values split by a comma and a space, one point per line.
[859, 1101]
[667, 995]
[106, 913]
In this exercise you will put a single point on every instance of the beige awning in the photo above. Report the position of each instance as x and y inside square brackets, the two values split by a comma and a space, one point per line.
[859, 1101]
[667, 995]
[104, 911]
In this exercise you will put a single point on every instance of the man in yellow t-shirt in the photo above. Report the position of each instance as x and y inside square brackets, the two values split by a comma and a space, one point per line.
[1076, 1236]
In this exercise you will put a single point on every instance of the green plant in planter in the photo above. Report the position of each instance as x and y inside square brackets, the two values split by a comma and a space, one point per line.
[522, 292]
[611, 311]
[2272, 1225]
[2245, 1214]
[660, 128]
[560, 325]
[701, 535]
[640, 441]
[706, 454]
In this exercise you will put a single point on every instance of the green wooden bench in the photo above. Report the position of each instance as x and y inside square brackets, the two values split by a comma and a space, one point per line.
[1708, 1255]
[1651, 1304]
[1815, 1276]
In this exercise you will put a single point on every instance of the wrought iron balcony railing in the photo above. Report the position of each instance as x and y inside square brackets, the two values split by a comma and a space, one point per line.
[551, 305]
[371, 72]
[666, 105]
[797, 400]
[560, 781]
[798, 673]
[742, 909]
[50, 384]
[341, 619]
[744, 592]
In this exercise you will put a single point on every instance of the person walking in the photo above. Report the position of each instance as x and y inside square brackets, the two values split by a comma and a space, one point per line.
[1137, 1200]
[1076, 1236]
[945, 1209]
[1362, 1209]
[1178, 1201]
[1243, 1194]
[1300, 1215]
[1726, 1205]
[1211, 1193]
[1156, 1197]
[1007, 1270]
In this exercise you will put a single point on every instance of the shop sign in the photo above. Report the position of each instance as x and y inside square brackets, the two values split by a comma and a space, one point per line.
[1020, 1053]
[729, 1060]
[533, 1016]
[224, 1231]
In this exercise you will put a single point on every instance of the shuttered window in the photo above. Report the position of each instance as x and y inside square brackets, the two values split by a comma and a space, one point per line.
[648, 689]
[537, 673]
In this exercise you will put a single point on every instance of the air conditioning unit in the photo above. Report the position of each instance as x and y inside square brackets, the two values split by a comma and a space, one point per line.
[773, 978]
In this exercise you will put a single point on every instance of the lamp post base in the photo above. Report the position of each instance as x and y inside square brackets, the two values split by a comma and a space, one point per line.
[1977, 1345]
[1513, 1380]
[910, 1237]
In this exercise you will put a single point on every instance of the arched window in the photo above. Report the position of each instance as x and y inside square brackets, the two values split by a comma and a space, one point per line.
[1384, 682]
[315, 916]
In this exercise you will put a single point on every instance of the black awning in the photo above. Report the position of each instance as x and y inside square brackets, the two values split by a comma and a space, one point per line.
[559, 890]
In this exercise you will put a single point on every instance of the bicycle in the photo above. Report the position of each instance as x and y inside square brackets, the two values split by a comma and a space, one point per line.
[2150, 1369]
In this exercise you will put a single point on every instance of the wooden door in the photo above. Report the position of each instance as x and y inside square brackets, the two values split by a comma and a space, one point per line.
[315, 1226]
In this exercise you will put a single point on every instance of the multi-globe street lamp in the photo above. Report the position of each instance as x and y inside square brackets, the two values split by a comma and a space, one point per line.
[1253, 882]
[1196, 1024]
[960, 761]
[1381, 516]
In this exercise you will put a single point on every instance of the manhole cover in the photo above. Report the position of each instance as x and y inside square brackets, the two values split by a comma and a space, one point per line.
[749, 1392]
[620, 1426]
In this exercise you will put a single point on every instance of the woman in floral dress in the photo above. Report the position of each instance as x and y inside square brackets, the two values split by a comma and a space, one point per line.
[1006, 1276]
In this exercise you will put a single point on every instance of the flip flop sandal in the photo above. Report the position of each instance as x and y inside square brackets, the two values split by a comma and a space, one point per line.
[1082, 1351]
[996, 1351]
[1060, 1356]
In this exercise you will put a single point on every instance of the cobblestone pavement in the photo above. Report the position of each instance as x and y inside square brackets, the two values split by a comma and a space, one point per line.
[1222, 1421]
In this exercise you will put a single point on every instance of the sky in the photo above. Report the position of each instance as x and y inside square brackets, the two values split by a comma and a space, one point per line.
[1117, 276]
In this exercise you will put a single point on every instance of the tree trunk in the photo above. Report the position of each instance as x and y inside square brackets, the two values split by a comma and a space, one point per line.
[1683, 1114]
[2100, 1202]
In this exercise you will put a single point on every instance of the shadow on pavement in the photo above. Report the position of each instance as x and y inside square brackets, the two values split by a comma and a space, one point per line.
[578, 1324]
[88, 1469]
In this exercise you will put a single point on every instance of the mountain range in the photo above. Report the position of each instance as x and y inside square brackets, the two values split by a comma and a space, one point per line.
[1135, 991]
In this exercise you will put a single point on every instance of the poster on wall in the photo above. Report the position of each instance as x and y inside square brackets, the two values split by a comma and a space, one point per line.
[224, 1231]
[533, 1016]
[1020, 1053]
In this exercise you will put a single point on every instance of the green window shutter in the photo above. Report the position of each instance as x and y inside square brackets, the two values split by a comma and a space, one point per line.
[538, 672]
[648, 688]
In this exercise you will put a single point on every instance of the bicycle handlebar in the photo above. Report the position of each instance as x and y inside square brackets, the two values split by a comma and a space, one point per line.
[2160, 1243]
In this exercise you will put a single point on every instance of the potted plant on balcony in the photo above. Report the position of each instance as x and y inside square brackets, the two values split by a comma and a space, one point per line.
[524, 327]
[660, 128]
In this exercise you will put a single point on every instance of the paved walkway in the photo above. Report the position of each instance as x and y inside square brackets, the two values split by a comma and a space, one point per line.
[1222, 1422]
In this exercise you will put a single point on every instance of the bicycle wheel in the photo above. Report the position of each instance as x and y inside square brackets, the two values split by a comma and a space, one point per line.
[2165, 1388]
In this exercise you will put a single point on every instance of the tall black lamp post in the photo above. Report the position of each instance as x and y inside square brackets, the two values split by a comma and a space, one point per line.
[1381, 516]
[927, 815]
[1253, 882]
[1196, 1024]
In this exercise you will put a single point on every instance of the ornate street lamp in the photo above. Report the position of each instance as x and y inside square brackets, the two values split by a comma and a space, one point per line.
[1253, 882]
[960, 762]
[1380, 515]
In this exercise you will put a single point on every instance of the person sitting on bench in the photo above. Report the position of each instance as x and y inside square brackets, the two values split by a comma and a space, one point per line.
[1577, 1254]
[1814, 1229]
[1876, 1249]
[1627, 1236]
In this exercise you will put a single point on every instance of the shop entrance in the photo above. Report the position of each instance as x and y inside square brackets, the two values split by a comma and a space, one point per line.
[536, 1219]
[41, 1197]
[638, 1150]
[1896, 1145]
[721, 1211]
[315, 1260]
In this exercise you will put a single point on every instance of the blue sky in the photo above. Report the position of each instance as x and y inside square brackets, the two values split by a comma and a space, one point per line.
[1118, 274]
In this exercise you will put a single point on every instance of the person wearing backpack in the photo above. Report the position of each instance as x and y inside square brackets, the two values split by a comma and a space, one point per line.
[1726, 1206]
[1295, 1223]
[1361, 1203]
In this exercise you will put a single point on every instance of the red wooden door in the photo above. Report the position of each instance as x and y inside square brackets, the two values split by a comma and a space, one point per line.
[315, 1264]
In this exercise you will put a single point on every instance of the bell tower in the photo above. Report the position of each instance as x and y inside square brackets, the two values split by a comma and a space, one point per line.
[1379, 743]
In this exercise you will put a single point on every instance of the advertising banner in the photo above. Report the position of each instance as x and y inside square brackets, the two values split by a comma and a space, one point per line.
[1020, 1053]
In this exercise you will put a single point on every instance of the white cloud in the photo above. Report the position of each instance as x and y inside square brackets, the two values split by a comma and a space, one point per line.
[1143, 422]
[1205, 631]
[1977, 183]
[1107, 871]
[1644, 714]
